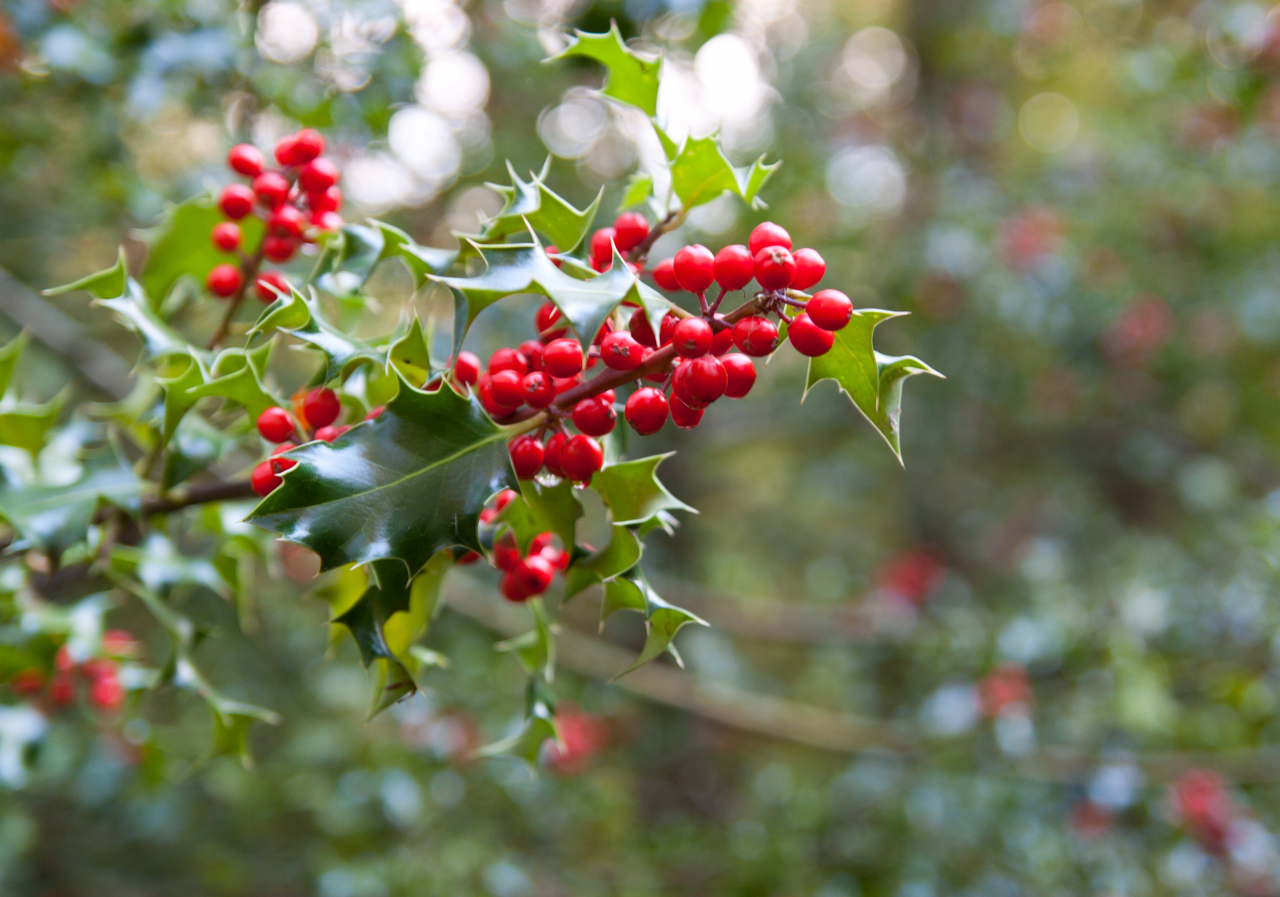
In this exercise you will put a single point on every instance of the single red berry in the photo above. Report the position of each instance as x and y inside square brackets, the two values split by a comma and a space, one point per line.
[286, 221]
[620, 351]
[63, 662]
[62, 689]
[280, 465]
[538, 389]
[555, 557]
[526, 456]
[684, 416]
[707, 379]
[809, 268]
[284, 150]
[595, 416]
[695, 268]
[551, 453]
[504, 498]
[692, 337]
[226, 236]
[740, 375]
[318, 175]
[321, 407]
[508, 360]
[539, 542]
[580, 457]
[768, 234]
[667, 327]
[535, 573]
[505, 553]
[331, 432]
[630, 229]
[605, 329]
[513, 588]
[268, 283]
[775, 268]
[375, 412]
[722, 342]
[642, 330]
[545, 319]
[491, 405]
[236, 201]
[279, 249]
[106, 692]
[264, 479]
[275, 425]
[506, 387]
[734, 267]
[602, 248]
[664, 274]
[469, 558]
[532, 350]
[755, 336]
[564, 384]
[808, 338]
[646, 410]
[562, 358]
[551, 250]
[27, 682]
[830, 309]
[327, 220]
[224, 280]
[271, 189]
[246, 159]
[680, 384]
[307, 145]
[608, 396]
[466, 368]
[325, 200]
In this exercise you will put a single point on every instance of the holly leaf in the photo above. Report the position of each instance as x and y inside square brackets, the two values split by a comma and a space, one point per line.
[410, 354]
[701, 172]
[180, 245]
[872, 381]
[182, 374]
[631, 78]
[24, 425]
[106, 284]
[662, 620]
[633, 493]
[639, 190]
[342, 351]
[363, 248]
[533, 204]
[539, 725]
[231, 719]
[404, 485]
[536, 649]
[196, 445]
[621, 554]
[542, 509]
[236, 375]
[9, 355]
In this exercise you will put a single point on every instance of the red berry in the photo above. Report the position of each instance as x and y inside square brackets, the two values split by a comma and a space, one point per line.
[564, 384]
[808, 338]
[236, 201]
[707, 379]
[550, 249]
[692, 337]
[504, 498]
[547, 315]
[317, 176]
[469, 558]
[375, 412]
[279, 249]
[506, 387]
[595, 416]
[264, 479]
[327, 220]
[491, 405]
[226, 236]
[740, 374]
[620, 351]
[531, 349]
[513, 588]
[684, 416]
[280, 465]
[508, 360]
[27, 682]
[557, 558]
[775, 268]
[562, 358]
[267, 284]
[630, 229]
[271, 189]
[466, 368]
[602, 248]
[722, 342]
[224, 280]
[768, 234]
[694, 268]
[664, 274]
[809, 268]
[642, 330]
[538, 389]
[62, 689]
[646, 410]
[331, 432]
[535, 574]
[580, 457]
[605, 329]
[106, 692]
[299, 148]
[119, 643]
[734, 267]
[667, 327]
[326, 200]
[526, 456]
[755, 336]
[506, 556]
[321, 407]
[63, 662]
[245, 159]
[287, 221]
[680, 384]
[830, 309]
[551, 453]
[275, 425]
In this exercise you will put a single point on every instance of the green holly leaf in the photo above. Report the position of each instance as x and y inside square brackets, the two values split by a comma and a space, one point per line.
[639, 190]
[107, 284]
[231, 719]
[180, 376]
[288, 312]
[633, 493]
[363, 248]
[25, 425]
[410, 354]
[343, 352]
[872, 381]
[662, 620]
[539, 725]
[533, 205]
[406, 625]
[621, 554]
[161, 568]
[701, 172]
[536, 649]
[404, 485]
[180, 245]
[631, 78]
[542, 509]
[9, 355]
[236, 375]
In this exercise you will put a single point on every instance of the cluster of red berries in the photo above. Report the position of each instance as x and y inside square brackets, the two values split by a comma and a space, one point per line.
[523, 575]
[101, 674]
[314, 414]
[630, 229]
[296, 201]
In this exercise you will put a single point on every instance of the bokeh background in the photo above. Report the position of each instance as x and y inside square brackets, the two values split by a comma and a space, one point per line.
[1042, 659]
